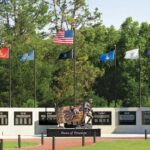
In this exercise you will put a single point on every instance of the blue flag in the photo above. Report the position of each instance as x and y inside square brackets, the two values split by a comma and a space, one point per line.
[27, 56]
[66, 55]
[30, 55]
[107, 56]
[148, 53]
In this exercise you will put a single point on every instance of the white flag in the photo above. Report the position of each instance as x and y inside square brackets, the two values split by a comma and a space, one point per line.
[132, 54]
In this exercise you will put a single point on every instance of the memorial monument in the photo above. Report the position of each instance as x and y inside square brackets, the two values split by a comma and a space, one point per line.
[78, 117]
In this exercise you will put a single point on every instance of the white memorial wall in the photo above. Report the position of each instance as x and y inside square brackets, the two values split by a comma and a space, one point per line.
[32, 121]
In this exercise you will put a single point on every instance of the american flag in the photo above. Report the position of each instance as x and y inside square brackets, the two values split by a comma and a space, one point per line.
[64, 37]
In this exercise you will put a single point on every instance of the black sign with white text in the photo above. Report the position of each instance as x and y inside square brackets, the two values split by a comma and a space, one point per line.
[3, 118]
[47, 118]
[101, 118]
[127, 117]
[22, 118]
[145, 117]
[73, 132]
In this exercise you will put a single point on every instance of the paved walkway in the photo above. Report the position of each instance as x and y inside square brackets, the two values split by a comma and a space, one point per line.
[60, 143]
[66, 143]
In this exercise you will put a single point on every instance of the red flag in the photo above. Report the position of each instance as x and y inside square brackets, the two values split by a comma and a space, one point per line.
[64, 37]
[4, 53]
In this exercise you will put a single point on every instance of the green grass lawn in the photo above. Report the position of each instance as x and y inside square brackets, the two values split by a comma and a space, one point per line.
[9, 144]
[118, 145]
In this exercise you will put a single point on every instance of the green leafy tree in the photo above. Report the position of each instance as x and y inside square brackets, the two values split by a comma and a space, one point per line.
[20, 21]
[105, 85]
[129, 69]
[22, 24]
[145, 63]
[65, 13]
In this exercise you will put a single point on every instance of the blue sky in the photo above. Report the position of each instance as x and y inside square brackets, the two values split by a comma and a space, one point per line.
[114, 12]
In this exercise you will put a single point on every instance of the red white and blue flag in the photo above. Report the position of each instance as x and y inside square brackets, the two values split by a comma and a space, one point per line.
[64, 37]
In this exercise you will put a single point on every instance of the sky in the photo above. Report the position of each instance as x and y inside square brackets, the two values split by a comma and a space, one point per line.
[114, 12]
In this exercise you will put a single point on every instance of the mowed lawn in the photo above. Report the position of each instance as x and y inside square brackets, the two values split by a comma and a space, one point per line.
[118, 145]
[9, 144]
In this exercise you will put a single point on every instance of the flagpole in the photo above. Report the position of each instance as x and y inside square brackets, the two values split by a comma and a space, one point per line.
[139, 78]
[74, 65]
[10, 83]
[115, 78]
[34, 79]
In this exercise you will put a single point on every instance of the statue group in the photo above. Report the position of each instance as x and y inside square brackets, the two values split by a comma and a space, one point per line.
[79, 116]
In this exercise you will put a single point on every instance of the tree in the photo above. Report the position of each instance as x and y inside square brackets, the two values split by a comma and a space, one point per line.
[20, 21]
[67, 13]
[145, 64]
[105, 86]
[129, 69]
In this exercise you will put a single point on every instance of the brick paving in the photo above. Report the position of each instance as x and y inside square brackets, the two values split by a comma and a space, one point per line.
[66, 143]
[60, 143]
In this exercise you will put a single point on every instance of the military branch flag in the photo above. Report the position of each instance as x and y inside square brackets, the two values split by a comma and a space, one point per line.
[30, 55]
[132, 54]
[148, 53]
[64, 37]
[27, 56]
[66, 55]
[110, 56]
[4, 53]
